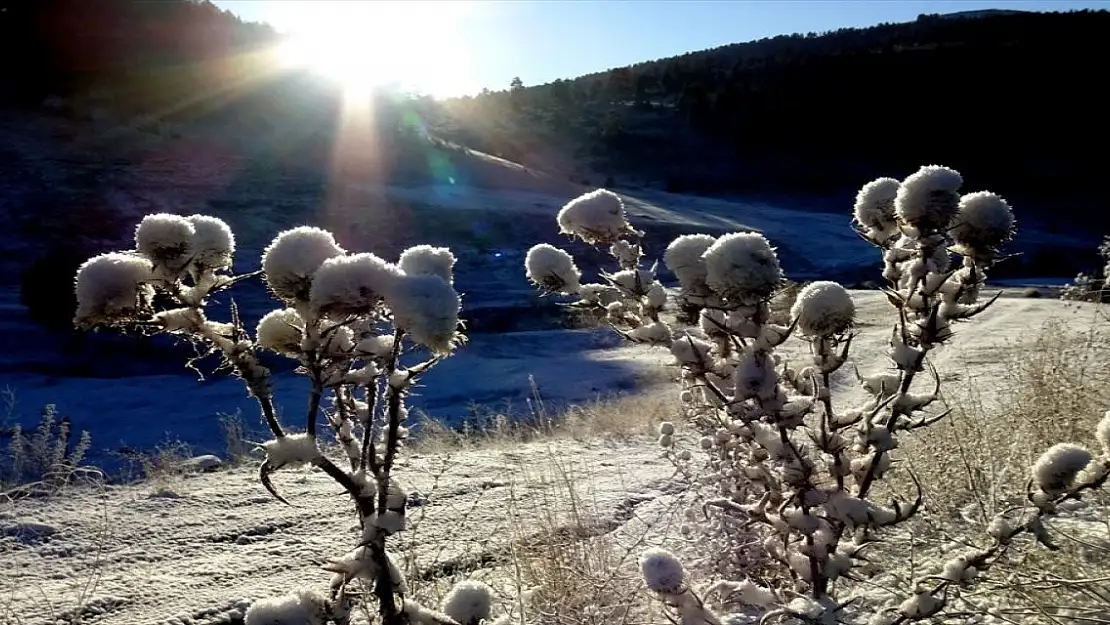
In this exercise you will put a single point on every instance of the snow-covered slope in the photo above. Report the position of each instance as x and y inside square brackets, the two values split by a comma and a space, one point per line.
[68, 191]
[495, 371]
[198, 550]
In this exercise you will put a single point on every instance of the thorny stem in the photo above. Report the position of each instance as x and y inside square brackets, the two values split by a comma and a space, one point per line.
[825, 396]
[384, 589]
[365, 504]
[903, 389]
[343, 407]
[369, 457]
[393, 402]
[314, 403]
[266, 402]
[820, 584]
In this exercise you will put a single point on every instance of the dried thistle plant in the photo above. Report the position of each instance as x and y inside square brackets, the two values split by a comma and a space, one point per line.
[363, 331]
[786, 470]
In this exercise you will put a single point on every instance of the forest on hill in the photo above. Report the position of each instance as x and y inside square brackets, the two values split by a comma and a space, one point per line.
[1015, 99]
[69, 48]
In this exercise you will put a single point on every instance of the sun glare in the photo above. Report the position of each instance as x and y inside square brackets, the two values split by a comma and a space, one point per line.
[361, 45]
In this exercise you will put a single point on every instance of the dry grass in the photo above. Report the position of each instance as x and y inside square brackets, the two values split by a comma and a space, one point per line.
[576, 572]
[976, 464]
[619, 417]
[556, 555]
[571, 557]
[1051, 391]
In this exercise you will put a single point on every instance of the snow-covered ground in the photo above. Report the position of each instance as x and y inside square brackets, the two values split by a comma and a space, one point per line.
[197, 550]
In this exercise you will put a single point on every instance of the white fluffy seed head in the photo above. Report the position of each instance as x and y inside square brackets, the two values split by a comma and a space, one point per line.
[684, 258]
[468, 603]
[595, 217]
[928, 199]
[692, 352]
[874, 208]
[111, 288]
[627, 254]
[743, 268]
[983, 223]
[426, 307]
[165, 239]
[636, 281]
[428, 260]
[292, 258]
[300, 608]
[336, 341]
[213, 244]
[656, 296]
[1102, 432]
[755, 376]
[1056, 469]
[552, 269]
[376, 346]
[351, 285]
[662, 571]
[823, 309]
[601, 294]
[281, 331]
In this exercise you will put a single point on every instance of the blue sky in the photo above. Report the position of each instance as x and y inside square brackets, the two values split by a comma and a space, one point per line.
[464, 46]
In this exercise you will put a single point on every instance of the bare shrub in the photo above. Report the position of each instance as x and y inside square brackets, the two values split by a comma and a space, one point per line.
[792, 485]
[362, 330]
[44, 459]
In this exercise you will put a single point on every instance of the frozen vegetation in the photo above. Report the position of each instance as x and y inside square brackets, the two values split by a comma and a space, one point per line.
[779, 484]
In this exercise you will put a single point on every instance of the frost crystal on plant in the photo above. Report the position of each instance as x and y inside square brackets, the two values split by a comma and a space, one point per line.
[823, 309]
[426, 307]
[292, 258]
[1056, 469]
[291, 450]
[928, 199]
[352, 285]
[213, 244]
[874, 208]
[662, 571]
[684, 258]
[166, 240]
[468, 603]
[112, 288]
[552, 269]
[983, 223]
[281, 331]
[742, 268]
[1102, 432]
[300, 608]
[428, 260]
[595, 217]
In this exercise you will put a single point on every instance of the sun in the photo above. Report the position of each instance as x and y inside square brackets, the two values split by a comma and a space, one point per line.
[362, 45]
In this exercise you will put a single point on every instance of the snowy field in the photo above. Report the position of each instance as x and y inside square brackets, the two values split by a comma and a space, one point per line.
[197, 550]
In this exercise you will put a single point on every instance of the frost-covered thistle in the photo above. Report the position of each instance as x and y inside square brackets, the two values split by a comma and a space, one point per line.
[354, 323]
[596, 217]
[788, 477]
[1091, 287]
[629, 299]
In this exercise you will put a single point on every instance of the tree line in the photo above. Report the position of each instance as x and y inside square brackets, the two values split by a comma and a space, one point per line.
[1013, 96]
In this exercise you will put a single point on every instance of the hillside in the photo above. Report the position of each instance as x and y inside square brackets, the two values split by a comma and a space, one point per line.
[1006, 95]
[83, 165]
